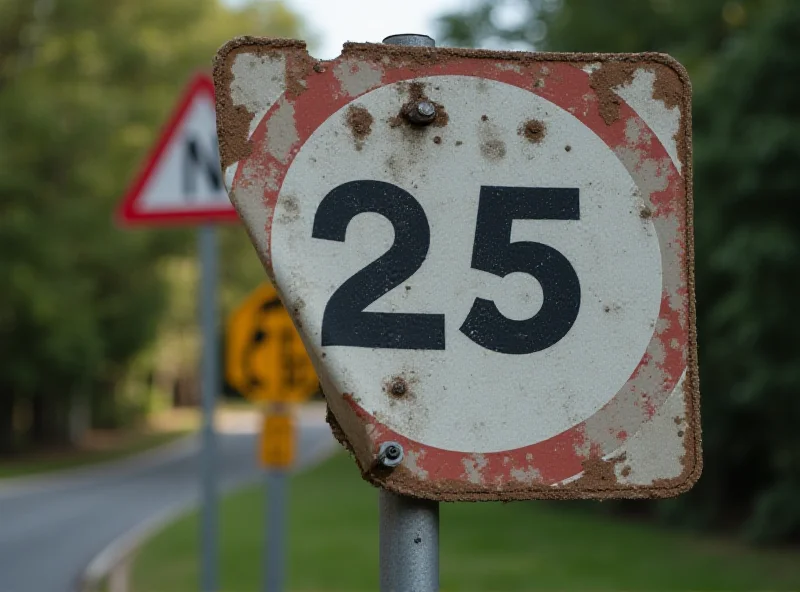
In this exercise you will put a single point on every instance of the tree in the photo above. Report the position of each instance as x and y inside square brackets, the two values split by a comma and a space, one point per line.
[748, 236]
[84, 87]
[693, 31]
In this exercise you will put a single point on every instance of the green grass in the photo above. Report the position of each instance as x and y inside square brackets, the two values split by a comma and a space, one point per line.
[45, 462]
[520, 546]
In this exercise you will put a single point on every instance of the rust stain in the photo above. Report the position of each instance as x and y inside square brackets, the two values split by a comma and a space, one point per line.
[400, 386]
[233, 121]
[533, 130]
[667, 87]
[692, 467]
[353, 434]
[298, 69]
[604, 80]
[396, 387]
[671, 87]
[416, 93]
[598, 473]
[337, 430]
[359, 122]
[234, 143]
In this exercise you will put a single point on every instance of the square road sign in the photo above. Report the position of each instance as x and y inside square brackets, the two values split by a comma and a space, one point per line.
[488, 256]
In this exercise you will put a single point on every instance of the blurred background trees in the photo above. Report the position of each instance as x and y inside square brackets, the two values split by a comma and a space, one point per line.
[744, 61]
[91, 316]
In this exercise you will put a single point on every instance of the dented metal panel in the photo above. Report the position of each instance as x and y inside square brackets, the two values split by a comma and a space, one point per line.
[528, 328]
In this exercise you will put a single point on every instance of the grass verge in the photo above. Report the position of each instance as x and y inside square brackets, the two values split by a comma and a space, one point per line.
[333, 546]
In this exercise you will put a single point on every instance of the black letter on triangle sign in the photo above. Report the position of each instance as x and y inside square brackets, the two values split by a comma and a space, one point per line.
[195, 156]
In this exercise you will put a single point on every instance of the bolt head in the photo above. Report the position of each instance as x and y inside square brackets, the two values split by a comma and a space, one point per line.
[390, 454]
[426, 109]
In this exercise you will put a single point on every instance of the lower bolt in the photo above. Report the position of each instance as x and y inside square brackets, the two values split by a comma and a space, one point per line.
[390, 454]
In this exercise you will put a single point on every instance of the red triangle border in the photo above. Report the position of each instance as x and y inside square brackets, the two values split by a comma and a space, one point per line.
[128, 214]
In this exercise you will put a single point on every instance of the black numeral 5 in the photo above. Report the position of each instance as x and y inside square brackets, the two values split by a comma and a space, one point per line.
[344, 321]
[494, 252]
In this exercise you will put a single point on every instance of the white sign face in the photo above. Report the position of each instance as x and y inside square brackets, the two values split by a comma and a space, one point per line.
[504, 292]
[181, 180]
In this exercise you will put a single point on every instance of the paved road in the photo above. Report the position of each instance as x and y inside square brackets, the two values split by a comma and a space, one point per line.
[51, 528]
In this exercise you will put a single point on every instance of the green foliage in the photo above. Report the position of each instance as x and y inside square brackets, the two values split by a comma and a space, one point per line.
[84, 87]
[747, 181]
[744, 60]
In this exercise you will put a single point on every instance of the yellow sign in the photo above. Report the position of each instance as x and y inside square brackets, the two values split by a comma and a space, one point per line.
[264, 357]
[277, 440]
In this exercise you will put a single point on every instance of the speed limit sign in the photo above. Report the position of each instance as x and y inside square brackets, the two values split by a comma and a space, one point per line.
[488, 256]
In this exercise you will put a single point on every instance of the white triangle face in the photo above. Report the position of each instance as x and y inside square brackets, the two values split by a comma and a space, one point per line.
[187, 177]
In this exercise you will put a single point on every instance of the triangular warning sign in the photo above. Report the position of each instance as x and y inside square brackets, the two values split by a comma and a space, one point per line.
[181, 181]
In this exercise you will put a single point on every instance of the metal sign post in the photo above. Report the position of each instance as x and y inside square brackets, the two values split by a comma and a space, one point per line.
[207, 243]
[266, 362]
[409, 543]
[275, 547]
[409, 527]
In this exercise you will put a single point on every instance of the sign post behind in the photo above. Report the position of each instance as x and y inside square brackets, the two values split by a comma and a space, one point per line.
[181, 183]
[266, 362]
[207, 249]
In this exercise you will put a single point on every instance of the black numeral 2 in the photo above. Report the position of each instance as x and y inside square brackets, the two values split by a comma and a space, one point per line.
[344, 321]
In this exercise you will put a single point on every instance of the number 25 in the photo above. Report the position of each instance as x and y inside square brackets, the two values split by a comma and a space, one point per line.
[344, 321]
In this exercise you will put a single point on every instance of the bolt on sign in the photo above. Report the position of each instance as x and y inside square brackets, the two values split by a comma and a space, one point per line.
[489, 256]
[265, 360]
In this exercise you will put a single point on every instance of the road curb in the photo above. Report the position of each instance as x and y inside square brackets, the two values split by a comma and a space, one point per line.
[118, 555]
[113, 563]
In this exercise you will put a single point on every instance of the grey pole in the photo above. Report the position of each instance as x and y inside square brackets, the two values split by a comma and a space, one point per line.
[409, 527]
[409, 544]
[275, 549]
[207, 243]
